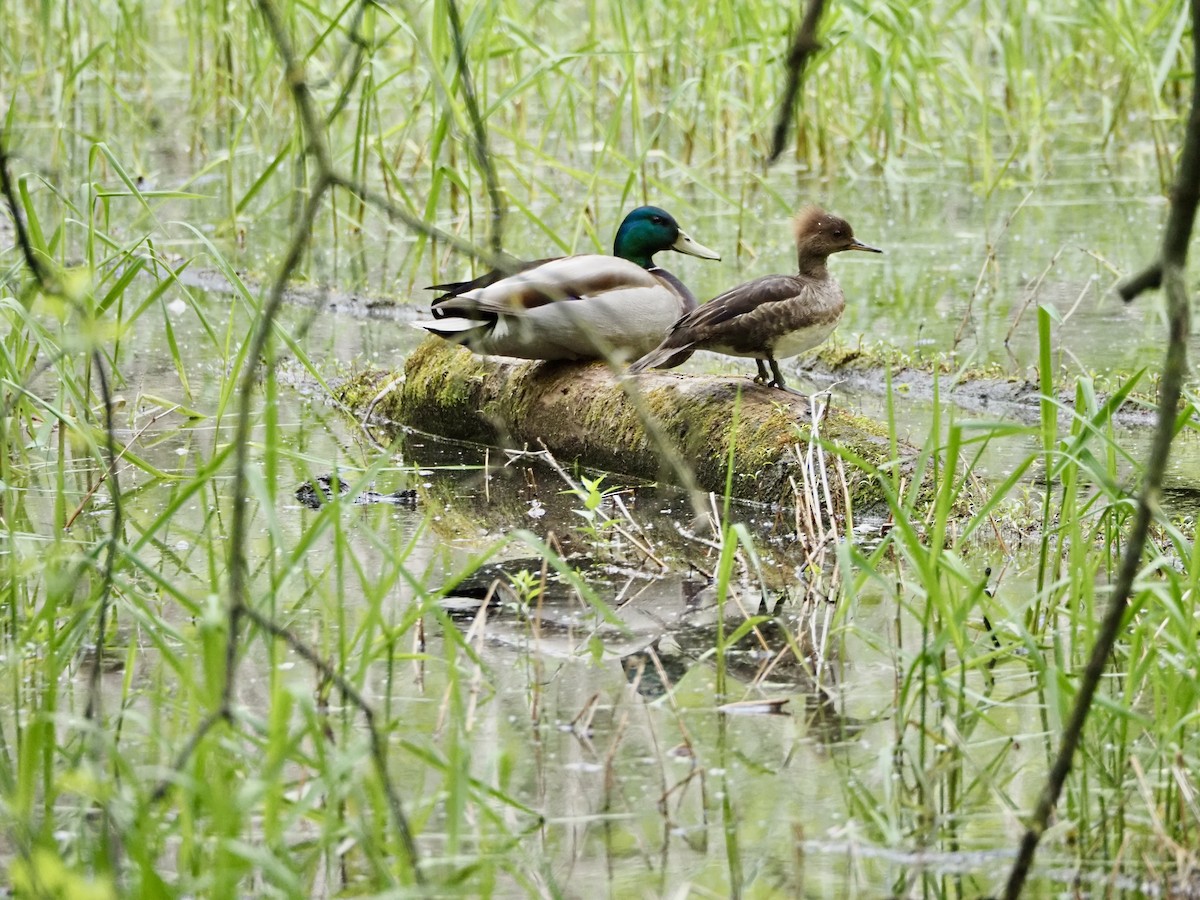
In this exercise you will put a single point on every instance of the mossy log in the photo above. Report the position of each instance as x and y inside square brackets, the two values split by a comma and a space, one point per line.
[584, 413]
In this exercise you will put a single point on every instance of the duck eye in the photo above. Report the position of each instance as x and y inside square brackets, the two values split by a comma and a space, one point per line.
[837, 232]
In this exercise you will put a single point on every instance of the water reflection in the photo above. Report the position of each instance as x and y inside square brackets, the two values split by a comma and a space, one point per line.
[598, 714]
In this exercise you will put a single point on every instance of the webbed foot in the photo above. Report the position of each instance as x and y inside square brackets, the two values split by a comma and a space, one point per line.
[778, 381]
[786, 389]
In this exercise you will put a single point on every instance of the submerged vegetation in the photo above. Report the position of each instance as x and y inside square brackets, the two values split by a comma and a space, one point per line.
[209, 690]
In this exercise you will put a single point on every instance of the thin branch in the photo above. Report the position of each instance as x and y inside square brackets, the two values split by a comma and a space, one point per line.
[87, 498]
[352, 695]
[92, 711]
[238, 531]
[359, 46]
[185, 753]
[804, 45]
[1176, 236]
[41, 272]
[318, 148]
[50, 284]
[479, 142]
[1148, 279]
[398, 213]
[316, 145]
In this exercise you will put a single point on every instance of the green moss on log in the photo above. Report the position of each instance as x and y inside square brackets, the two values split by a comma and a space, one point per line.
[583, 412]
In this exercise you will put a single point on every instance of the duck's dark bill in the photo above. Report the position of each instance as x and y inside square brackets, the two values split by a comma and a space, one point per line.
[859, 245]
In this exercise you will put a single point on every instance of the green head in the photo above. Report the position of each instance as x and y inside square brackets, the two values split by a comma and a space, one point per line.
[649, 229]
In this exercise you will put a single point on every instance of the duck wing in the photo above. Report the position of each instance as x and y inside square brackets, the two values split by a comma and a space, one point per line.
[569, 278]
[511, 267]
[739, 301]
[728, 322]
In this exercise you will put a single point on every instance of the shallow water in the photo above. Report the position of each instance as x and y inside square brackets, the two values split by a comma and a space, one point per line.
[652, 786]
[797, 781]
[598, 786]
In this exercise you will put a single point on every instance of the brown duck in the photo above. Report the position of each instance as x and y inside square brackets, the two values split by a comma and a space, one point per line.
[772, 317]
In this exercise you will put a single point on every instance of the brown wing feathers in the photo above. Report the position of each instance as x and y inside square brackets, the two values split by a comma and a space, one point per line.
[739, 301]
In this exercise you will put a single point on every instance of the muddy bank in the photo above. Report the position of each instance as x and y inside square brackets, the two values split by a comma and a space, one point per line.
[989, 390]
[861, 366]
[358, 304]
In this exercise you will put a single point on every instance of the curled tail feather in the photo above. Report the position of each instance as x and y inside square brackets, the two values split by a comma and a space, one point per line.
[458, 329]
[662, 358]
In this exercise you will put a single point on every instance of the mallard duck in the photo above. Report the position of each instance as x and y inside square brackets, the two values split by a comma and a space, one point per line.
[773, 316]
[589, 306]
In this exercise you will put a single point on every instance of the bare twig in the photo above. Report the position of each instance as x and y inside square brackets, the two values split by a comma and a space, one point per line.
[46, 278]
[608, 522]
[358, 45]
[246, 392]
[1030, 296]
[353, 696]
[1148, 279]
[804, 45]
[82, 505]
[49, 283]
[394, 211]
[479, 140]
[1169, 272]
[92, 711]
[988, 260]
[185, 753]
[240, 609]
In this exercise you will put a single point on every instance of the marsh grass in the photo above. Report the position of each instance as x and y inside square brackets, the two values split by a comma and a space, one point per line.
[610, 106]
[984, 647]
[117, 513]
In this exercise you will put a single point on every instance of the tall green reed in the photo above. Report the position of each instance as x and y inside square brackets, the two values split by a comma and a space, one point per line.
[634, 104]
[976, 646]
[654, 104]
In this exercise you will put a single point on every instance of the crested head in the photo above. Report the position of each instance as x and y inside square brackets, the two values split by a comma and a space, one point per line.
[820, 234]
[647, 230]
[808, 220]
